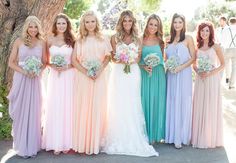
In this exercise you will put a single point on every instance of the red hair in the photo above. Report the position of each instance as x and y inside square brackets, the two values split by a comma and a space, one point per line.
[68, 34]
[211, 37]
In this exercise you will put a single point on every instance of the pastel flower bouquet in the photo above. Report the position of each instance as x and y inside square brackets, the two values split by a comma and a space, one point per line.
[58, 60]
[172, 63]
[92, 66]
[32, 64]
[204, 64]
[152, 60]
[127, 55]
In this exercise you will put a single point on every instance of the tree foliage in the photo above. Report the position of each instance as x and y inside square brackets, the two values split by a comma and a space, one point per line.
[75, 8]
[212, 11]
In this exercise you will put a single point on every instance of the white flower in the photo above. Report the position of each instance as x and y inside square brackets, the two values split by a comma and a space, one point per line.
[152, 60]
[204, 64]
[172, 63]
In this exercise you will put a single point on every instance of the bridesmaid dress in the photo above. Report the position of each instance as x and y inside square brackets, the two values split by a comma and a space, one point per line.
[207, 129]
[57, 127]
[153, 93]
[25, 104]
[89, 115]
[179, 99]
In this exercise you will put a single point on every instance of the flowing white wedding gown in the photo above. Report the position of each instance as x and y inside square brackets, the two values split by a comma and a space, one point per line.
[126, 133]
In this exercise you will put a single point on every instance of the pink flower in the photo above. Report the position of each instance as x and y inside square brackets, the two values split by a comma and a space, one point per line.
[124, 57]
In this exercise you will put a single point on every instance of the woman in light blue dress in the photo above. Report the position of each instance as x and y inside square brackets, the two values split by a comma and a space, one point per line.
[179, 85]
[153, 88]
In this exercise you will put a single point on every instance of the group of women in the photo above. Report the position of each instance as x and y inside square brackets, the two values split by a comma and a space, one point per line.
[113, 111]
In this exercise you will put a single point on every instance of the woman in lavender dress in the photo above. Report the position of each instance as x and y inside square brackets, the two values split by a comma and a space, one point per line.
[25, 95]
[179, 85]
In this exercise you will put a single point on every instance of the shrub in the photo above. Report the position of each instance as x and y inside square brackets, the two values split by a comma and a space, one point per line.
[5, 120]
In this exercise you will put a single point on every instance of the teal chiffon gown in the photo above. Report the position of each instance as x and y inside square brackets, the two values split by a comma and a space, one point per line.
[154, 96]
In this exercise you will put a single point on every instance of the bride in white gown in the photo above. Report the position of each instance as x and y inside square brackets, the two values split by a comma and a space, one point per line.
[126, 133]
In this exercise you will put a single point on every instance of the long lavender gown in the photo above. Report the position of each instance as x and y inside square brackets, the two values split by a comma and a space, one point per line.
[179, 99]
[25, 107]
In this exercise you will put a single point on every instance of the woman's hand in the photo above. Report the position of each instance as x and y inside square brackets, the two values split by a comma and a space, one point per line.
[148, 68]
[204, 75]
[178, 69]
[59, 69]
[29, 74]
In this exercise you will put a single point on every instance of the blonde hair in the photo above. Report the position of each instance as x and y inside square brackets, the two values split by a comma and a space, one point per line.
[25, 35]
[120, 32]
[83, 32]
[159, 33]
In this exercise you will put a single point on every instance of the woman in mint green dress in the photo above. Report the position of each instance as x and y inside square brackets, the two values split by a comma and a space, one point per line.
[153, 81]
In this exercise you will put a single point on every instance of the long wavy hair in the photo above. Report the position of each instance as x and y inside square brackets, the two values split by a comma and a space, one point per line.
[211, 37]
[159, 33]
[173, 31]
[120, 31]
[26, 36]
[83, 32]
[69, 37]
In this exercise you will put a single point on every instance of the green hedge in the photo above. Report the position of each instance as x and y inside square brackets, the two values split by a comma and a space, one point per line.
[5, 121]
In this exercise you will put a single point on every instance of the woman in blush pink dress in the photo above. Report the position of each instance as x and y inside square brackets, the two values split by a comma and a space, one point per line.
[207, 106]
[90, 86]
[57, 128]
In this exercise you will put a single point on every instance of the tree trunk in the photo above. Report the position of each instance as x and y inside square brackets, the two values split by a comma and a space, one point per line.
[12, 16]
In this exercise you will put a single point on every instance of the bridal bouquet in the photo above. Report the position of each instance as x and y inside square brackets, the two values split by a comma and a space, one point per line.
[92, 66]
[32, 64]
[127, 55]
[152, 60]
[172, 63]
[204, 64]
[58, 60]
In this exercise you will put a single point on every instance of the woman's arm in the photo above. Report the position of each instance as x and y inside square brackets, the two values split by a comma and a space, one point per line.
[13, 59]
[221, 59]
[191, 48]
[137, 60]
[113, 45]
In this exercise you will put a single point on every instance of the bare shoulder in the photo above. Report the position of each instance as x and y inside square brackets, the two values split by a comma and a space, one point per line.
[19, 41]
[188, 37]
[216, 47]
[113, 39]
[50, 40]
[42, 42]
[141, 40]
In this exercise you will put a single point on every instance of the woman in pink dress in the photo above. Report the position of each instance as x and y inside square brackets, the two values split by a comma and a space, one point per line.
[25, 97]
[207, 106]
[90, 58]
[57, 127]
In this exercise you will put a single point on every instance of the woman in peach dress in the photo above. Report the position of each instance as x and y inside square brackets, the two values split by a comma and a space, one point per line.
[90, 86]
[207, 106]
